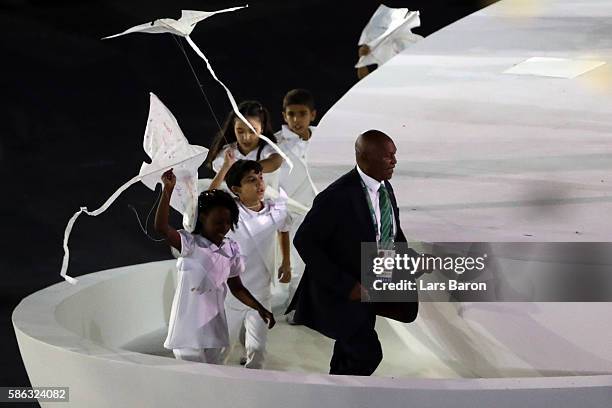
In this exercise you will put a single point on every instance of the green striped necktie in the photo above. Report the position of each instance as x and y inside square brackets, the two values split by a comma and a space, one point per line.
[386, 215]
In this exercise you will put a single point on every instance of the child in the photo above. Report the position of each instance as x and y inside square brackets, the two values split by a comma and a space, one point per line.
[259, 222]
[238, 139]
[298, 112]
[198, 326]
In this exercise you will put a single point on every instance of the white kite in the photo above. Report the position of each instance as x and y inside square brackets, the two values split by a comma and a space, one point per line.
[183, 27]
[168, 148]
[387, 34]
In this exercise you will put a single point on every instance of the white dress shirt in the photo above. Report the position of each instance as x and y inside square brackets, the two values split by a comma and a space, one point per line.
[372, 186]
[256, 233]
[297, 183]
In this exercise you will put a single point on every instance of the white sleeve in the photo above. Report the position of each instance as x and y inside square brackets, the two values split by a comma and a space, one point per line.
[281, 204]
[237, 264]
[187, 242]
[281, 140]
[266, 152]
[288, 222]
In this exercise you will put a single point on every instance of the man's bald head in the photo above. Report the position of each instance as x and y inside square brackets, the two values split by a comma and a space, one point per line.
[375, 154]
[369, 140]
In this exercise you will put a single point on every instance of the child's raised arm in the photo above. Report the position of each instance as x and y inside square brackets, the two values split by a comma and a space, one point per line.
[229, 158]
[161, 216]
[272, 163]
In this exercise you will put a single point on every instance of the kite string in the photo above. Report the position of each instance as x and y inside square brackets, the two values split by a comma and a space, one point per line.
[68, 230]
[195, 75]
[145, 228]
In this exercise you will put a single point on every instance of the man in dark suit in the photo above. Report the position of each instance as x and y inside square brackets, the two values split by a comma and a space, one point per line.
[358, 207]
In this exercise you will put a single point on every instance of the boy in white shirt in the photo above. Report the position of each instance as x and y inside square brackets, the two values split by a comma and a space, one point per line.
[259, 223]
[298, 112]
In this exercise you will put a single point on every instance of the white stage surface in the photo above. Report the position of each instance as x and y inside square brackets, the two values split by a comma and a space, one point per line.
[483, 156]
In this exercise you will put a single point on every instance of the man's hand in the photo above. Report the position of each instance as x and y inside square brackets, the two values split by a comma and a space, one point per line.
[168, 179]
[284, 273]
[267, 317]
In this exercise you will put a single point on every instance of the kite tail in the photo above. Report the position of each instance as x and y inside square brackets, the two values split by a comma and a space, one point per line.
[235, 106]
[95, 213]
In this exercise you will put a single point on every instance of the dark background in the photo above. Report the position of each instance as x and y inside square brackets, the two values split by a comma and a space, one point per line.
[74, 109]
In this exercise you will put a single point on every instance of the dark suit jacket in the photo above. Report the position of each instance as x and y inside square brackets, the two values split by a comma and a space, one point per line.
[329, 241]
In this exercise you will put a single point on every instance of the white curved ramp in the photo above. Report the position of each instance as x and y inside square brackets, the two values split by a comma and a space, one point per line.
[103, 339]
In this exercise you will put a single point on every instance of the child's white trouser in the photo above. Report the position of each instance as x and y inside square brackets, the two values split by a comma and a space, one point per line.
[240, 316]
[207, 355]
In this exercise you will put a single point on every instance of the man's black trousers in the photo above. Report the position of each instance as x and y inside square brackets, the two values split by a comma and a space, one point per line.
[358, 354]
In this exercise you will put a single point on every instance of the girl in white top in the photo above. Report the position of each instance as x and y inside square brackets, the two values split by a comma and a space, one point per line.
[260, 222]
[237, 137]
[209, 263]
